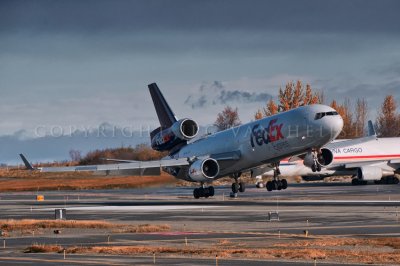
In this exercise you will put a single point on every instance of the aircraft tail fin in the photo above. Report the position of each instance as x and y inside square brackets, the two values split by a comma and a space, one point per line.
[165, 114]
[371, 129]
[28, 165]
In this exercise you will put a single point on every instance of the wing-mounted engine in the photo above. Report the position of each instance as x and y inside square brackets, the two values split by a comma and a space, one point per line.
[369, 173]
[325, 157]
[179, 133]
[203, 170]
[317, 160]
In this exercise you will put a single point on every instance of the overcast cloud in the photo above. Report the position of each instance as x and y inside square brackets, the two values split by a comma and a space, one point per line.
[84, 63]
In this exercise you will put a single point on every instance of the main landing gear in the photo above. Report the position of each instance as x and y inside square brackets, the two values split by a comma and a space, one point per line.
[203, 192]
[277, 183]
[237, 186]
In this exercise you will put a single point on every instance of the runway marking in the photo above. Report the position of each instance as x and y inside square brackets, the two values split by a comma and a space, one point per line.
[135, 208]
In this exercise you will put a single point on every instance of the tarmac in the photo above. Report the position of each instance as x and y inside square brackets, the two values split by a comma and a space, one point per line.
[321, 209]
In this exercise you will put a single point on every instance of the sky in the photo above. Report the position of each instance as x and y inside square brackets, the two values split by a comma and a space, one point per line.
[79, 64]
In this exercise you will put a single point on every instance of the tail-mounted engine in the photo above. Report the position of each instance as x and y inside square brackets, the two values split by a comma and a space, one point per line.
[203, 170]
[322, 159]
[179, 133]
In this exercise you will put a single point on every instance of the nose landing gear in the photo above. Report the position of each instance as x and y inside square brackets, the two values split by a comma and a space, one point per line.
[316, 167]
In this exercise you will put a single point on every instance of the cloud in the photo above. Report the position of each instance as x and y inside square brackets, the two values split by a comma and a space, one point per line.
[357, 16]
[216, 93]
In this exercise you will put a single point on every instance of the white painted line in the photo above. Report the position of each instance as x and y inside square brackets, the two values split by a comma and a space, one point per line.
[135, 208]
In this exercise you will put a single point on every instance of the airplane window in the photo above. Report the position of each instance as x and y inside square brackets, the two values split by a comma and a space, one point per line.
[320, 115]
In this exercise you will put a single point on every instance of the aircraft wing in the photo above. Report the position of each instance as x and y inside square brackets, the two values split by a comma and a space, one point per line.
[119, 168]
[120, 160]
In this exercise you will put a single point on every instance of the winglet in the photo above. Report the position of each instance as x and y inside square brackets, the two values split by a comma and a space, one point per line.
[28, 165]
[371, 129]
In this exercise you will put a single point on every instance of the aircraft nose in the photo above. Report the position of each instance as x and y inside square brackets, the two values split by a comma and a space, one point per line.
[336, 126]
[331, 125]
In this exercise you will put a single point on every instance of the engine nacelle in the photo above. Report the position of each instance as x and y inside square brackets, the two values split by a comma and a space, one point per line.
[180, 132]
[370, 173]
[185, 129]
[324, 158]
[204, 170]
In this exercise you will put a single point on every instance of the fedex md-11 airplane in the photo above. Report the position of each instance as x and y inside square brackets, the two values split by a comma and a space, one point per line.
[255, 146]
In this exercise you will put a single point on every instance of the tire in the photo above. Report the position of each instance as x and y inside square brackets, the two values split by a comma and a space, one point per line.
[211, 191]
[313, 168]
[355, 182]
[319, 168]
[196, 193]
[242, 187]
[279, 185]
[235, 187]
[284, 183]
[395, 180]
[274, 185]
[269, 186]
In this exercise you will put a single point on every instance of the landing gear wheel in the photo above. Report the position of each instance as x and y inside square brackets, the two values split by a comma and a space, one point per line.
[269, 186]
[319, 168]
[284, 184]
[355, 182]
[242, 187]
[274, 185]
[235, 188]
[313, 168]
[196, 193]
[203, 192]
[279, 184]
[395, 180]
[211, 191]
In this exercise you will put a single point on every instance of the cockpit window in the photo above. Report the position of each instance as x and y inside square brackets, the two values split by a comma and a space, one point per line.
[320, 115]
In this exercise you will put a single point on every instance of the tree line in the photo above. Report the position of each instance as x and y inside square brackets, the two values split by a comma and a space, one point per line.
[354, 114]
[141, 152]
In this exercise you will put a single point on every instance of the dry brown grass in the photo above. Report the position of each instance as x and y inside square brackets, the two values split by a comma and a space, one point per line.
[29, 224]
[23, 180]
[349, 250]
[38, 248]
[392, 242]
[144, 228]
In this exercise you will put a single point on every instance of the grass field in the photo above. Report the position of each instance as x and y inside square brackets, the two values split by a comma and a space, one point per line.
[350, 250]
[23, 180]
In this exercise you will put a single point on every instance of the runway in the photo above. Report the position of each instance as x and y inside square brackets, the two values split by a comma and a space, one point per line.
[323, 210]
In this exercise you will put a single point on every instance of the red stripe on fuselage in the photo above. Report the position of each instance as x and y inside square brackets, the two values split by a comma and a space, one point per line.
[367, 156]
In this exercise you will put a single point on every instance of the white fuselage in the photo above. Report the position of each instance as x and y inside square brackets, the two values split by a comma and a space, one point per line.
[267, 140]
[383, 153]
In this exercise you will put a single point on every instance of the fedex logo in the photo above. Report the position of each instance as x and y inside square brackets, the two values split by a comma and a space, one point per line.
[162, 138]
[261, 135]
